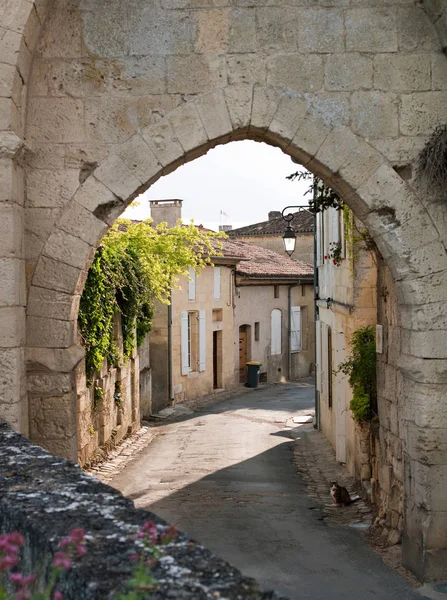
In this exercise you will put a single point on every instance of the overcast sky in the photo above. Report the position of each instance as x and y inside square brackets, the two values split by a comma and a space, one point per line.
[243, 179]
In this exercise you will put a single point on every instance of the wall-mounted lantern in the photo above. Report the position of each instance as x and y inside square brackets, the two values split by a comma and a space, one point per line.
[289, 236]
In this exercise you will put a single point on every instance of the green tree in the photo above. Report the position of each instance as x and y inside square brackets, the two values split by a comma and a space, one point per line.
[135, 265]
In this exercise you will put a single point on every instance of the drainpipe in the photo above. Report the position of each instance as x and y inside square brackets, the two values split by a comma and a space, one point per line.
[289, 304]
[170, 386]
[316, 318]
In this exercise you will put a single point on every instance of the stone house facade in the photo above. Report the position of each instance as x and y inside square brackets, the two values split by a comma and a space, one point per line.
[358, 292]
[228, 314]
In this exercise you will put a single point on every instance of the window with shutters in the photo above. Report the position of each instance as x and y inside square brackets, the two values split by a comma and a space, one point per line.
[276, 332]
[217, 283]
[320, 239]
[295, 330]
[189, 341]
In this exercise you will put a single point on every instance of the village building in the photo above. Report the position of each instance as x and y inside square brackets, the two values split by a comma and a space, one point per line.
[268, 234]
[251, 305]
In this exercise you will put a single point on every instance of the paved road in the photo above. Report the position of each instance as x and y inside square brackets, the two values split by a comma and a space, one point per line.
[225, 476]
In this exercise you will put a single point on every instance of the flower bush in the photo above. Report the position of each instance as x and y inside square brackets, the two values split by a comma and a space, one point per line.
[71, 548]
[334, 253]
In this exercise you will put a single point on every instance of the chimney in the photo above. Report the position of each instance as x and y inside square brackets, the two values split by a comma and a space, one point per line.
[225, 228]
[166, 211]
[274, 214]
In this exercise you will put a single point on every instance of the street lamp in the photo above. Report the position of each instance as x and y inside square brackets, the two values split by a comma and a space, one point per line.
[289, 236]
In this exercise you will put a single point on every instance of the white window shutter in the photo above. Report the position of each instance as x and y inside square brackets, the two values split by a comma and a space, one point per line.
[192, 284]
[184, 342]
[295, 332]
[217, 283]
[335, 225]
[318, 354]
[202, 340]
[276, 332]
[319, 244]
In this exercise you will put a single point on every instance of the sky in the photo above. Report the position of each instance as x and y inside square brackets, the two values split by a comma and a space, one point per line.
[245, 180]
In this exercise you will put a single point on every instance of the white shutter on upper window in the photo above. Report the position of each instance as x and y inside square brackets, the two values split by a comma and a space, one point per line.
[192, 284]
[202, 340]
[184, 343]
[217, 283]
[295, 331]
[335, 226]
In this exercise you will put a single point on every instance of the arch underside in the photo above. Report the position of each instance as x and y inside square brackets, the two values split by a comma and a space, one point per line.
[106, 98]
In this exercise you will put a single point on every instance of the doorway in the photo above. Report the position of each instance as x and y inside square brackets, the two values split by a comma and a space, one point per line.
[217, 360]
[244, 351]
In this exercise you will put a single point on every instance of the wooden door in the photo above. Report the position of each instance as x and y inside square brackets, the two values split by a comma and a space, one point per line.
[242, 354]
[215, 362]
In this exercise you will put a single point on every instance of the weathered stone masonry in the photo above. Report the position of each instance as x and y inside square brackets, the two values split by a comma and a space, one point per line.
[100, 98]
[44, 498]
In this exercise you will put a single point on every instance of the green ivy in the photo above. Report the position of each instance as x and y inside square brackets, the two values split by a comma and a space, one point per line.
[361, 370]
[322, 196]
[135, 265]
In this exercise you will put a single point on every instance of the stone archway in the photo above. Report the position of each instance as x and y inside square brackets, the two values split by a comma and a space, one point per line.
[120, 94]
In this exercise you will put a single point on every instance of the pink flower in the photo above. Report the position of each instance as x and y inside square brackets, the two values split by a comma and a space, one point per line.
[148, 532]
[77, 536]
[7, 562]
[62, 561]
[58, 595]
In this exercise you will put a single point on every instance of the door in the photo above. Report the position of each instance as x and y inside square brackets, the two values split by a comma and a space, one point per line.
[243, 343]
[215, 362]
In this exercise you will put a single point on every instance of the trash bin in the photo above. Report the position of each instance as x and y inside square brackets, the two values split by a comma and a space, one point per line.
[253, 368]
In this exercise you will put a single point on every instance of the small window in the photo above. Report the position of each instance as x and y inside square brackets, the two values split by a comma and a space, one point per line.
[257, 331]
[276, 291]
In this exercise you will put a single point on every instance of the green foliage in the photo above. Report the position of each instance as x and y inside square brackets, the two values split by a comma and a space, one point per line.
[361, 371]
[323, 196]
[135, 265]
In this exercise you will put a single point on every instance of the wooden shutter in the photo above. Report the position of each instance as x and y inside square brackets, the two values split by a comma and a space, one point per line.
[202, 340]
[192, 284]
[295, 332]
[318, 354]
[276, 332]
[217, 283]
[184, 342]
[335, 235]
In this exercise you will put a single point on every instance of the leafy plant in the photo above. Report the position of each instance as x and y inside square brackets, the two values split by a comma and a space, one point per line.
[135, 265]
[117, 394]
[322, 196]
[361, 371]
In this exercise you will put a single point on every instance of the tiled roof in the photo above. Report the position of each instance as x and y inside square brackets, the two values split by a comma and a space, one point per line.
[303, 222]
[259, 262]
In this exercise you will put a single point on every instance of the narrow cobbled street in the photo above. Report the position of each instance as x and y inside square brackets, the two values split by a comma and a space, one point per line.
[226, 475]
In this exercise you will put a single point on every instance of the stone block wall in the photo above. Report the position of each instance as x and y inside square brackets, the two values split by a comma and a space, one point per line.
[109, 408]
[45, 497]
[388, 463]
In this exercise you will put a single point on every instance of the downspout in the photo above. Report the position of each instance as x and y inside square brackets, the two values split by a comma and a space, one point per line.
[316, 318]
[170, 386]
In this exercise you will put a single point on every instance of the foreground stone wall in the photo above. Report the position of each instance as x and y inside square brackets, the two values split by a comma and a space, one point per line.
[44, 497]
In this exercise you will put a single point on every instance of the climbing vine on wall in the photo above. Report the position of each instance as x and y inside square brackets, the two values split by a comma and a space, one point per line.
[135, 265]
[361, 371]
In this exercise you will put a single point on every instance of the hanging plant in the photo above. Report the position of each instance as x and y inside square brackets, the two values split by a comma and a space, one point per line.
[361, 371]
[135, 266]
[322, 196]
[432, 162]
[334, 253]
